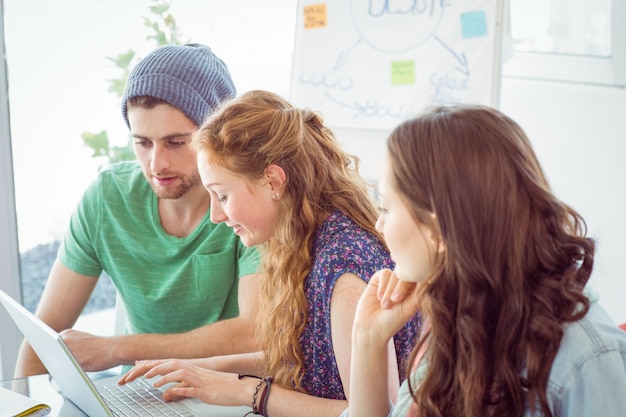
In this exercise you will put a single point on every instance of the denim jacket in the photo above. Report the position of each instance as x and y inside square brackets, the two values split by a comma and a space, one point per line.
[588, 376]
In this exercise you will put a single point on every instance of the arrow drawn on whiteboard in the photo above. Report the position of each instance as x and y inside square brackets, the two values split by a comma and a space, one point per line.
[461, 59]
[342, 59]
[372, 108]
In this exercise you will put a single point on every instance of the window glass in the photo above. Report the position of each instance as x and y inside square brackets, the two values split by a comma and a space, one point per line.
[576, 27]
[574, 41]
[62, 59]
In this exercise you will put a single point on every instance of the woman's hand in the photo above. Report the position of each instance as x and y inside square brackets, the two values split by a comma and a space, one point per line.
[141, 367]
[386, 305]
[189, 380]
[210, 386]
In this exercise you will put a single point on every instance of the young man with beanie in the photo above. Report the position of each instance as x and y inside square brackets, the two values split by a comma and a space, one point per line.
[188, 285]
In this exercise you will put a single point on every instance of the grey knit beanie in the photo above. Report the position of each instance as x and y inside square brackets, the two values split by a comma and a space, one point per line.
[189, 77]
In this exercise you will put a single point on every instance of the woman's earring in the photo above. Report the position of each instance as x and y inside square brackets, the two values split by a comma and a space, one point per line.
[275, 196]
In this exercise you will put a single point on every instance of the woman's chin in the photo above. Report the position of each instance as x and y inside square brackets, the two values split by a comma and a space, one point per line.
[403, 275]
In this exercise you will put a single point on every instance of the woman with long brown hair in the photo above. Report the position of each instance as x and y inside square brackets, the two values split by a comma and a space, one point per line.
[498, 267]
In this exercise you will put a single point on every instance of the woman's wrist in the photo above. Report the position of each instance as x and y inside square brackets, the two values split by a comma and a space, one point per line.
[367, 336]
[259, 394]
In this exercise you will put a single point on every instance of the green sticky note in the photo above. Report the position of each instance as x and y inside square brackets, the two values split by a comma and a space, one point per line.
[402, 72]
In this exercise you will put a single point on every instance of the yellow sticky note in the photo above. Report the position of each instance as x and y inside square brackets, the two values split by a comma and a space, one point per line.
[402, 72]
[315, 16]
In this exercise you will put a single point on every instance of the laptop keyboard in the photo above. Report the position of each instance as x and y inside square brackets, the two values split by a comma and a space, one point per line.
[139, 398]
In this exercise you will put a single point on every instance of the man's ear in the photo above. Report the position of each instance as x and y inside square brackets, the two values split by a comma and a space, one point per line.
[276, 178]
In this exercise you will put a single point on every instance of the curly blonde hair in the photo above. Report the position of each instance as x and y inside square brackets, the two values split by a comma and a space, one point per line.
[247, 135]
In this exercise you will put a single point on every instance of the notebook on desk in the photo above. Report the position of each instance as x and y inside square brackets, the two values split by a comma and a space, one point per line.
[94, 398]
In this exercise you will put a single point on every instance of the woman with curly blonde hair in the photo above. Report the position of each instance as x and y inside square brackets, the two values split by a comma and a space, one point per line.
[498, 267]
[279, 178]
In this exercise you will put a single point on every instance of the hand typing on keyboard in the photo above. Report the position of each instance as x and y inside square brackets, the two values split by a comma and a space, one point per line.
[140, 398]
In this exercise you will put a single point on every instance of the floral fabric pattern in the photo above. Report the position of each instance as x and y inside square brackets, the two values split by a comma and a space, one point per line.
[340, 247]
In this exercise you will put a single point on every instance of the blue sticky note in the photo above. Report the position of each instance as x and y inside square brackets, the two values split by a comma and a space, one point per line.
[474, 24]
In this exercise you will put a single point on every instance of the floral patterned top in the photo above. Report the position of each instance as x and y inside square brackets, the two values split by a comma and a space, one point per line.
[340, 247]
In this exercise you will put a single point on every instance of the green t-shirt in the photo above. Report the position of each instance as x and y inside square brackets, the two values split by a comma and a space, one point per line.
[168, 284]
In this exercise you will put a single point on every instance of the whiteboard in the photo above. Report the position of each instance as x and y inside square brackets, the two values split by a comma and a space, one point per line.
[369, 64]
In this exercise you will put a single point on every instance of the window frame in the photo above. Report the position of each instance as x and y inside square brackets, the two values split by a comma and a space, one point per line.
[9, 251]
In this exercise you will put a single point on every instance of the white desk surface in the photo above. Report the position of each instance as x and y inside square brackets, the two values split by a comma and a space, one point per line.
[41, 389]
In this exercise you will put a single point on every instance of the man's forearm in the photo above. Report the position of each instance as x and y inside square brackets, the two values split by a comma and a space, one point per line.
[28, 363]
[236, 335]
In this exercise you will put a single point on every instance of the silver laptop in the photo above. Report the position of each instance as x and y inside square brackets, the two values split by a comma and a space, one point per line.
[101, 398]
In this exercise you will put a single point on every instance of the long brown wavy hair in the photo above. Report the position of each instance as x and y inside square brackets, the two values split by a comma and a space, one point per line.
[247, 135]
[513, 272]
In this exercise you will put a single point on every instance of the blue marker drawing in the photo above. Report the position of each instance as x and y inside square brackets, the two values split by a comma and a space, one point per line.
[474, 24]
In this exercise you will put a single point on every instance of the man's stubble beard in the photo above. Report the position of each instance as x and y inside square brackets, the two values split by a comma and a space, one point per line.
[187, 183]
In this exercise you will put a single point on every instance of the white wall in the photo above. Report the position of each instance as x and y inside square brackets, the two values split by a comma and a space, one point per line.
[579, 134]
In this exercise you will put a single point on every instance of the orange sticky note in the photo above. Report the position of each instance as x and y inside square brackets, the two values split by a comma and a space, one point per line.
[315, 16]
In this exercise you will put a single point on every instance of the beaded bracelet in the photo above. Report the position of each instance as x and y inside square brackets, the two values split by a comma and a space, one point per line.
[262, 408]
